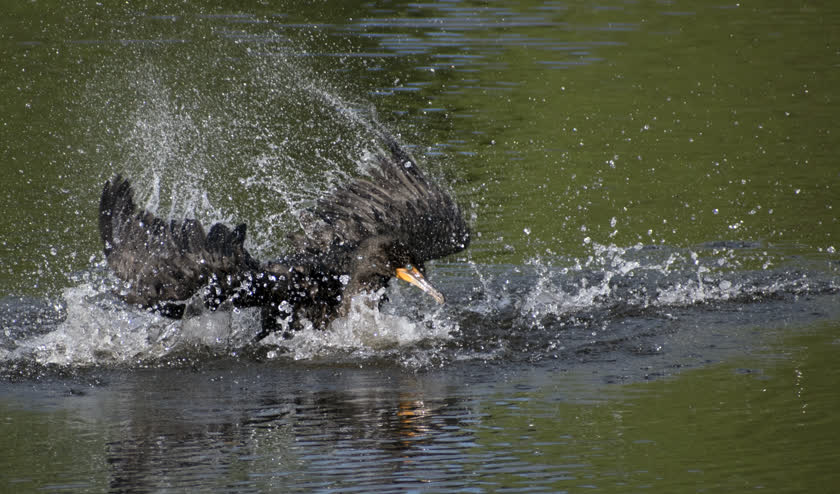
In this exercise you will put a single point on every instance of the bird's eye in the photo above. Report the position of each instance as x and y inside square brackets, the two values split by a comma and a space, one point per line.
[409, 267]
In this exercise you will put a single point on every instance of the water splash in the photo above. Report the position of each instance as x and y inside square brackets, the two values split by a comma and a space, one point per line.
[245, 151]
[97, 329]
[626, 298]
[643, 277]
[237, 147]
[366, 332]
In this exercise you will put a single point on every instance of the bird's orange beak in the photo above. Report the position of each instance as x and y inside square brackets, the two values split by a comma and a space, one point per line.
[413, 276]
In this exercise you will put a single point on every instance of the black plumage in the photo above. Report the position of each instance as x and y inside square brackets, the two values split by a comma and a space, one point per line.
[355, 239]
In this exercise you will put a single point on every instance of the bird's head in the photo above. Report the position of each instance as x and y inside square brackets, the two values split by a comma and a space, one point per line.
[386, 258]
[414, 275]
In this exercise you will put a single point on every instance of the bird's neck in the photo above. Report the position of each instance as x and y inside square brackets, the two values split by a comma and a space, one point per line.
[367, 269]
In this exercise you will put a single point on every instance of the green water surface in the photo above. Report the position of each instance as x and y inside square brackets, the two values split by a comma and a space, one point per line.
[559, 126]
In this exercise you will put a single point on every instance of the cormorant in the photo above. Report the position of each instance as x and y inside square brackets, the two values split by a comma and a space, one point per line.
[357, 238]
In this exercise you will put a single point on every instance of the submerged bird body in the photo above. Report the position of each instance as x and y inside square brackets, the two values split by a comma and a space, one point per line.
[357, 238]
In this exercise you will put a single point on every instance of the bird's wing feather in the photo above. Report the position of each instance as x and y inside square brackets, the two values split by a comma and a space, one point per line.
[396, 200]
[165, 261]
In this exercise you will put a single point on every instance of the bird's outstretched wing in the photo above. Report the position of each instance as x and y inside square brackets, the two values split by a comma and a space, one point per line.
[396, 200]
[166, 261]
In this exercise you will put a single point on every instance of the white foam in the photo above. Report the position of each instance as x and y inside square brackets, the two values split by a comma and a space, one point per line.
[680, 279]
[100, 330]
[365, 331]
[93, 334]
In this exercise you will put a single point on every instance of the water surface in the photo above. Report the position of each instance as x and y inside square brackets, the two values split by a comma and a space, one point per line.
[650, 300]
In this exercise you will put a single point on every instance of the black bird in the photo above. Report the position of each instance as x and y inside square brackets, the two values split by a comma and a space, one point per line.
[357, 238]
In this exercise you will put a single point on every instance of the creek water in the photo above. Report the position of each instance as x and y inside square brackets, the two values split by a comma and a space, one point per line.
[651, 299]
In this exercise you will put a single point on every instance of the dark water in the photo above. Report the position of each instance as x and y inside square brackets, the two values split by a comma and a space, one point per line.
[650, 301]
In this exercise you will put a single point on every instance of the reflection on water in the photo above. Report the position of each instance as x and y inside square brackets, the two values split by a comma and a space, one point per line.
[262, 426]
[652, 188]
[252, 427]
